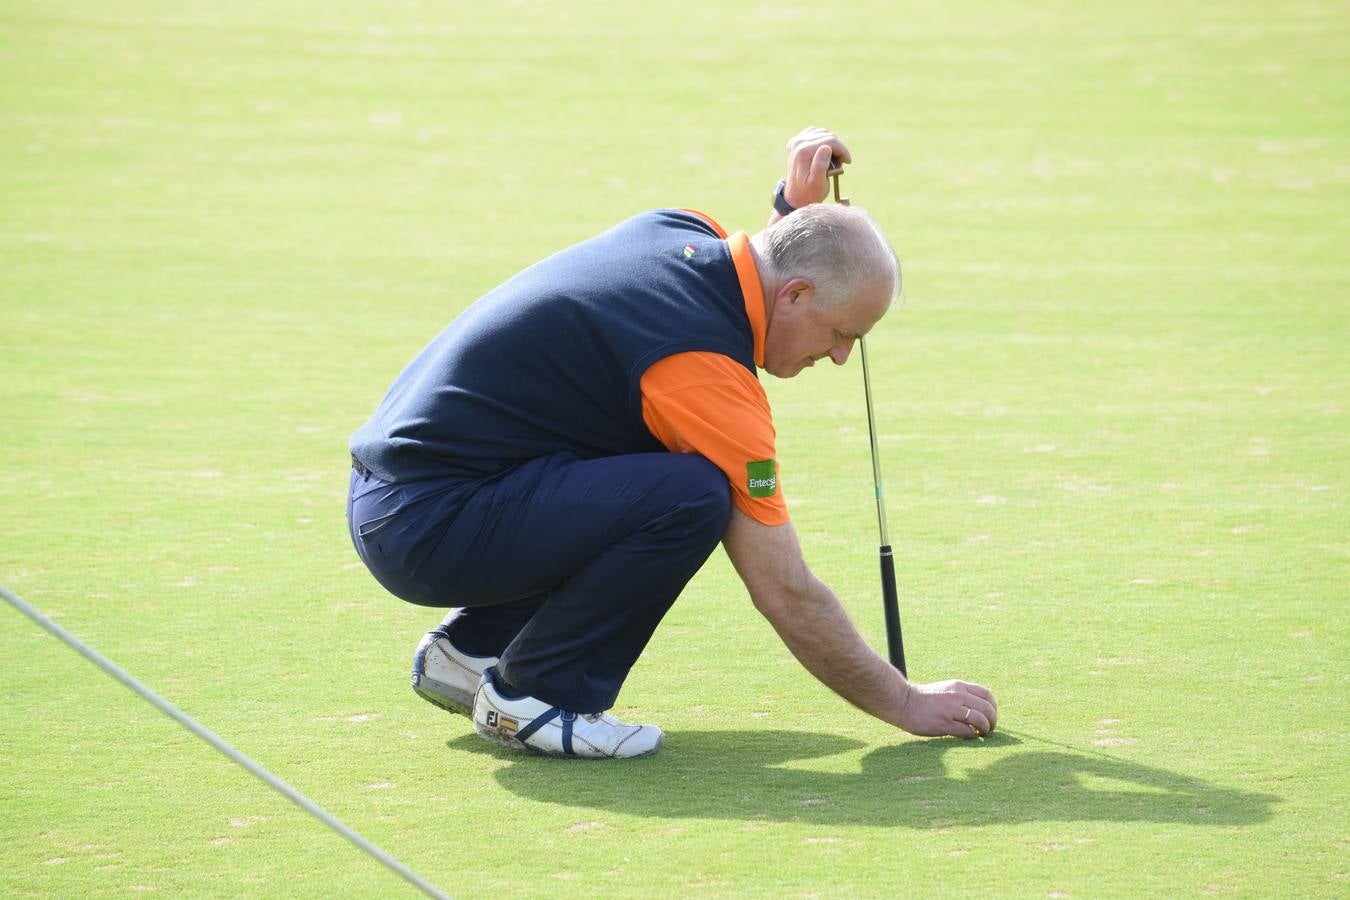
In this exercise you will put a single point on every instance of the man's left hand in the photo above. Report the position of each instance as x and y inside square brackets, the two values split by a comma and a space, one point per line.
[809, 155]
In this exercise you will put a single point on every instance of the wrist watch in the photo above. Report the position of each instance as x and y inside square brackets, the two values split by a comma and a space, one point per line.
[780, 203]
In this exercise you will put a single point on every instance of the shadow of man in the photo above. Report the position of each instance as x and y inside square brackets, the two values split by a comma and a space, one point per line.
[760, 775]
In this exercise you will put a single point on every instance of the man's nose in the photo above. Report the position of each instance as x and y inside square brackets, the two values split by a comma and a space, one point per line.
[840, 351]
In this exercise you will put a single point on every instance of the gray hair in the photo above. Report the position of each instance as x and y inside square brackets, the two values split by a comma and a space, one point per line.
[840, 248]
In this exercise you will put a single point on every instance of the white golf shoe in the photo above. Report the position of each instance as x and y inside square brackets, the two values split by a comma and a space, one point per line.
[533, 725]
[442, 675]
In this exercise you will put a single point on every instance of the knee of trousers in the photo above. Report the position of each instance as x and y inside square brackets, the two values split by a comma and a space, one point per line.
[705, 495]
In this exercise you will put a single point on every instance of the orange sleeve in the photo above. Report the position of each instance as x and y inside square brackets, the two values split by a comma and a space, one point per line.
[709, 404]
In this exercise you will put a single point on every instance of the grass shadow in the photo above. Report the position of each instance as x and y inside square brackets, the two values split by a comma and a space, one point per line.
[750, 775]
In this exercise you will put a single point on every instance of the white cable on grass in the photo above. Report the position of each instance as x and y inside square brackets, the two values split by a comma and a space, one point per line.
[191, 724]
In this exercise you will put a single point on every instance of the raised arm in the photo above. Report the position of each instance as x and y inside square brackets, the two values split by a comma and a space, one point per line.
[811, 622]
[809, 156]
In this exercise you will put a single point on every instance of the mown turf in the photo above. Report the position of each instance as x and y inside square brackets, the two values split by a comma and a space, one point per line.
[1113, 412]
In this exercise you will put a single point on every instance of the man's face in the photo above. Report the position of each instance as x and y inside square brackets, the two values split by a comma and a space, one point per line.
[800, 334]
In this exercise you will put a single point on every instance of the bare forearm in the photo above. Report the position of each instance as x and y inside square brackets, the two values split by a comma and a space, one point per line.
[821, 636]
[810, 619]
[812, 623]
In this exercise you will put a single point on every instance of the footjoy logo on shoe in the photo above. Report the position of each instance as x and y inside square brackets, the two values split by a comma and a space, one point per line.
[762, 477]
[505, 724]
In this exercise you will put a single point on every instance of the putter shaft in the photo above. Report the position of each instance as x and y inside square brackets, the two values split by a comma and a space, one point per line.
[895, 641]
[872, 436]
[890, 600]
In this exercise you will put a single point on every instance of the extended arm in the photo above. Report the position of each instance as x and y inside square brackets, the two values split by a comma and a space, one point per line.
[814, 626]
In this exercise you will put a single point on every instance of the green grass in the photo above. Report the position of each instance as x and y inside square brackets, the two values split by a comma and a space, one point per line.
[1113, 413]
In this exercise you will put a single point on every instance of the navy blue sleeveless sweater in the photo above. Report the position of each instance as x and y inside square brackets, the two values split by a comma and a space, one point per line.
[552, 360]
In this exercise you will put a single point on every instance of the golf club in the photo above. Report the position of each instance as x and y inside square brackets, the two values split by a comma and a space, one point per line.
[895, 644]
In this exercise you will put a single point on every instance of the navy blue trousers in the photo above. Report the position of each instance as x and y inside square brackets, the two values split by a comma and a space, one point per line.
[564, 567]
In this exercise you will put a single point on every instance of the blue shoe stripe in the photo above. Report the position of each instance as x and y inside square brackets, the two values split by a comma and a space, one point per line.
[568, 718]
[543, 719]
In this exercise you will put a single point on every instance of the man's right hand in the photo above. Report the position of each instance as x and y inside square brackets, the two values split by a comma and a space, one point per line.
[809, 156]
[958, 708]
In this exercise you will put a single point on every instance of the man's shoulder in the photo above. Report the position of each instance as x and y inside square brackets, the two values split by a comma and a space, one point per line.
[675, 219]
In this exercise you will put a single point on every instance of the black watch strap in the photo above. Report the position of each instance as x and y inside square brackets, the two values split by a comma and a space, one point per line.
[780, 203]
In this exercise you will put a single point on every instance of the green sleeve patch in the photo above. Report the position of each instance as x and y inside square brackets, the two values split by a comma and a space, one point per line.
[763, 477]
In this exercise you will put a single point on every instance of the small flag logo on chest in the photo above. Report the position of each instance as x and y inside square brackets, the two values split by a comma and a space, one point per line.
[688, 251]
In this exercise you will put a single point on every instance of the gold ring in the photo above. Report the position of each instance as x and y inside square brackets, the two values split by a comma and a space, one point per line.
[966, 717]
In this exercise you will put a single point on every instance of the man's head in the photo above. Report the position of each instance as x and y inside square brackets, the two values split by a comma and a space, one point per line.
[828, 275]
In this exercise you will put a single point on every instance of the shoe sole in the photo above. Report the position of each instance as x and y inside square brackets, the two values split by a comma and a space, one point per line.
[443, 695]
[438, 693]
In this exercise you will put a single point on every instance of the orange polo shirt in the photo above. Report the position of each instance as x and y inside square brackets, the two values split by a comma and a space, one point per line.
[707, 403]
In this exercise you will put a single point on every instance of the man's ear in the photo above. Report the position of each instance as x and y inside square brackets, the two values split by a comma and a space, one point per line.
[795, 295]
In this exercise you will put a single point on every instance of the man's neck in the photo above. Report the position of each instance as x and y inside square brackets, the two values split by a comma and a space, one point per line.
[768, 280]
